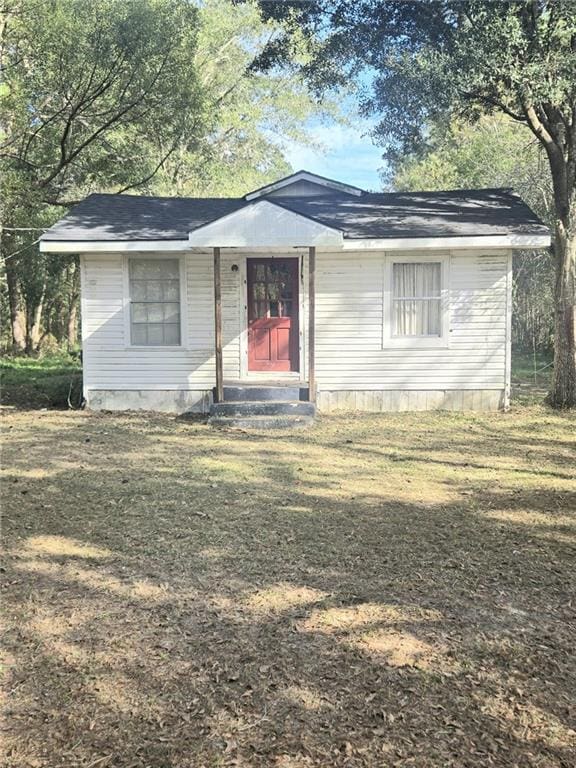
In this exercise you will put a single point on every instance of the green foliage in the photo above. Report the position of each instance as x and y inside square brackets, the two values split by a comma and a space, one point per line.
[88, 83]
[438, 58]
[91, 90]
[53, 381]
[493, 152]
[249, 115]
[157, 96]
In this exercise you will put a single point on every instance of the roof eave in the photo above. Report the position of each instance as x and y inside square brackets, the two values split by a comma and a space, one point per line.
[112, 246]
[510, 241]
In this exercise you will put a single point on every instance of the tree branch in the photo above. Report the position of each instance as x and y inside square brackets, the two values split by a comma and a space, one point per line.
[492, 102]
[154, 170]
[66, 159]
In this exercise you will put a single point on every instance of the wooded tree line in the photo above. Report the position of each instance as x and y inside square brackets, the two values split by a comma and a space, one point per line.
[179, 97]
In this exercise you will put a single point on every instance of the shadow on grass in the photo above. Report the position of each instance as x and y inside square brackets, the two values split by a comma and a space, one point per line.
[183, 597]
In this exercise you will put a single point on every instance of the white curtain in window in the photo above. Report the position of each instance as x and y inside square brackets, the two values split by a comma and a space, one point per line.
[154, 301]
[417, 299]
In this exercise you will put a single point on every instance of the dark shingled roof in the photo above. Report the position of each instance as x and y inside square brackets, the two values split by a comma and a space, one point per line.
[457, 213]
[135, 217]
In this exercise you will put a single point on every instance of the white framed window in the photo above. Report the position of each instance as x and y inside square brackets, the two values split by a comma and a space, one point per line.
[154, 301]
[416, 301]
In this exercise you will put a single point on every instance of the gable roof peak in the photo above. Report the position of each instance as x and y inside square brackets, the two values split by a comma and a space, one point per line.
[307, 176]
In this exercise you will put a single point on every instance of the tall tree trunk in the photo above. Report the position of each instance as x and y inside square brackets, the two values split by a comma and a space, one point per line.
[72, 325]
[34, 324]
[563, 393]
[17, 316]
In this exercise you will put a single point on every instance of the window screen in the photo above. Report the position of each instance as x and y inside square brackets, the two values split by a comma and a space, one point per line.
[154, 301]
[416, 299]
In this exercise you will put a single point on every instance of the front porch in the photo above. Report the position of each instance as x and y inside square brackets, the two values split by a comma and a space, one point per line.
[277, 387]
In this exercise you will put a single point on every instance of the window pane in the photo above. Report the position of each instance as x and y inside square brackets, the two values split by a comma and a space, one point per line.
[139, 335]
[273, 291]
[261, 308]
[171, 313]
[139, 313]
[259, 290]
[137, 269]
[154, 290]
[417, 317]
[155, 313]
[138, 290]
[172, 333]
[154, 269]
[155, 333]
[171, 290]
[170, 269]
[417, 280]
[433, 324]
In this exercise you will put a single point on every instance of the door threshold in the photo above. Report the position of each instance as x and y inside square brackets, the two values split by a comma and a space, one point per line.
[249, 382]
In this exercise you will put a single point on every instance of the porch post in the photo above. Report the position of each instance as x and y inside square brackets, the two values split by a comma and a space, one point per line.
[311, 322]
[218, 326]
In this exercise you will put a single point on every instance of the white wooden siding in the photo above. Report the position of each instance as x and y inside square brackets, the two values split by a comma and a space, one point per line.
[351, 351]
[110, 362]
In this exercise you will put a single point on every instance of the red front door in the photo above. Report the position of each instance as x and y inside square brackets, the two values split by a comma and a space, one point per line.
[273, 315]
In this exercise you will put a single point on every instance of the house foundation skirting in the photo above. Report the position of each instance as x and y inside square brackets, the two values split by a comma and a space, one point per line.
[162, 400]
[376, 401]
[327, 401]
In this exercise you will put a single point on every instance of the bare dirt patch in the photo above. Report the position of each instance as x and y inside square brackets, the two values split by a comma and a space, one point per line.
[393, 590]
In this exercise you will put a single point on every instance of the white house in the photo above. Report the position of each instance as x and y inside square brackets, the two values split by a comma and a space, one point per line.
[307, 291]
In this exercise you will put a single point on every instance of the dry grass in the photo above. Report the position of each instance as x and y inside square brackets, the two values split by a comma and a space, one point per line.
[378, 591]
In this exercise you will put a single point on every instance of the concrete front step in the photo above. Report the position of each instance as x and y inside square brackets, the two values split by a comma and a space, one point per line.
[263, 408]
[259, 392]
[262, 422]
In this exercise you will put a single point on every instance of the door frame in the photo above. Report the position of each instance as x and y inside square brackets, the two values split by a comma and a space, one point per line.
[299, 375]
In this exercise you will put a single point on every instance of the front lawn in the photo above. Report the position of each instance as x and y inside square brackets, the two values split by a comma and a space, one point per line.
[389, 590]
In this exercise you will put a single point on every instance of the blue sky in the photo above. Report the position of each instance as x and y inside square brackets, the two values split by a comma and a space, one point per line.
[346, 154]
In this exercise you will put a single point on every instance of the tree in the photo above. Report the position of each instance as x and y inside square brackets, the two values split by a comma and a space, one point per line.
[90, 89]
[249, 115]
[440, 58]
[156, 97]
[495, 152]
